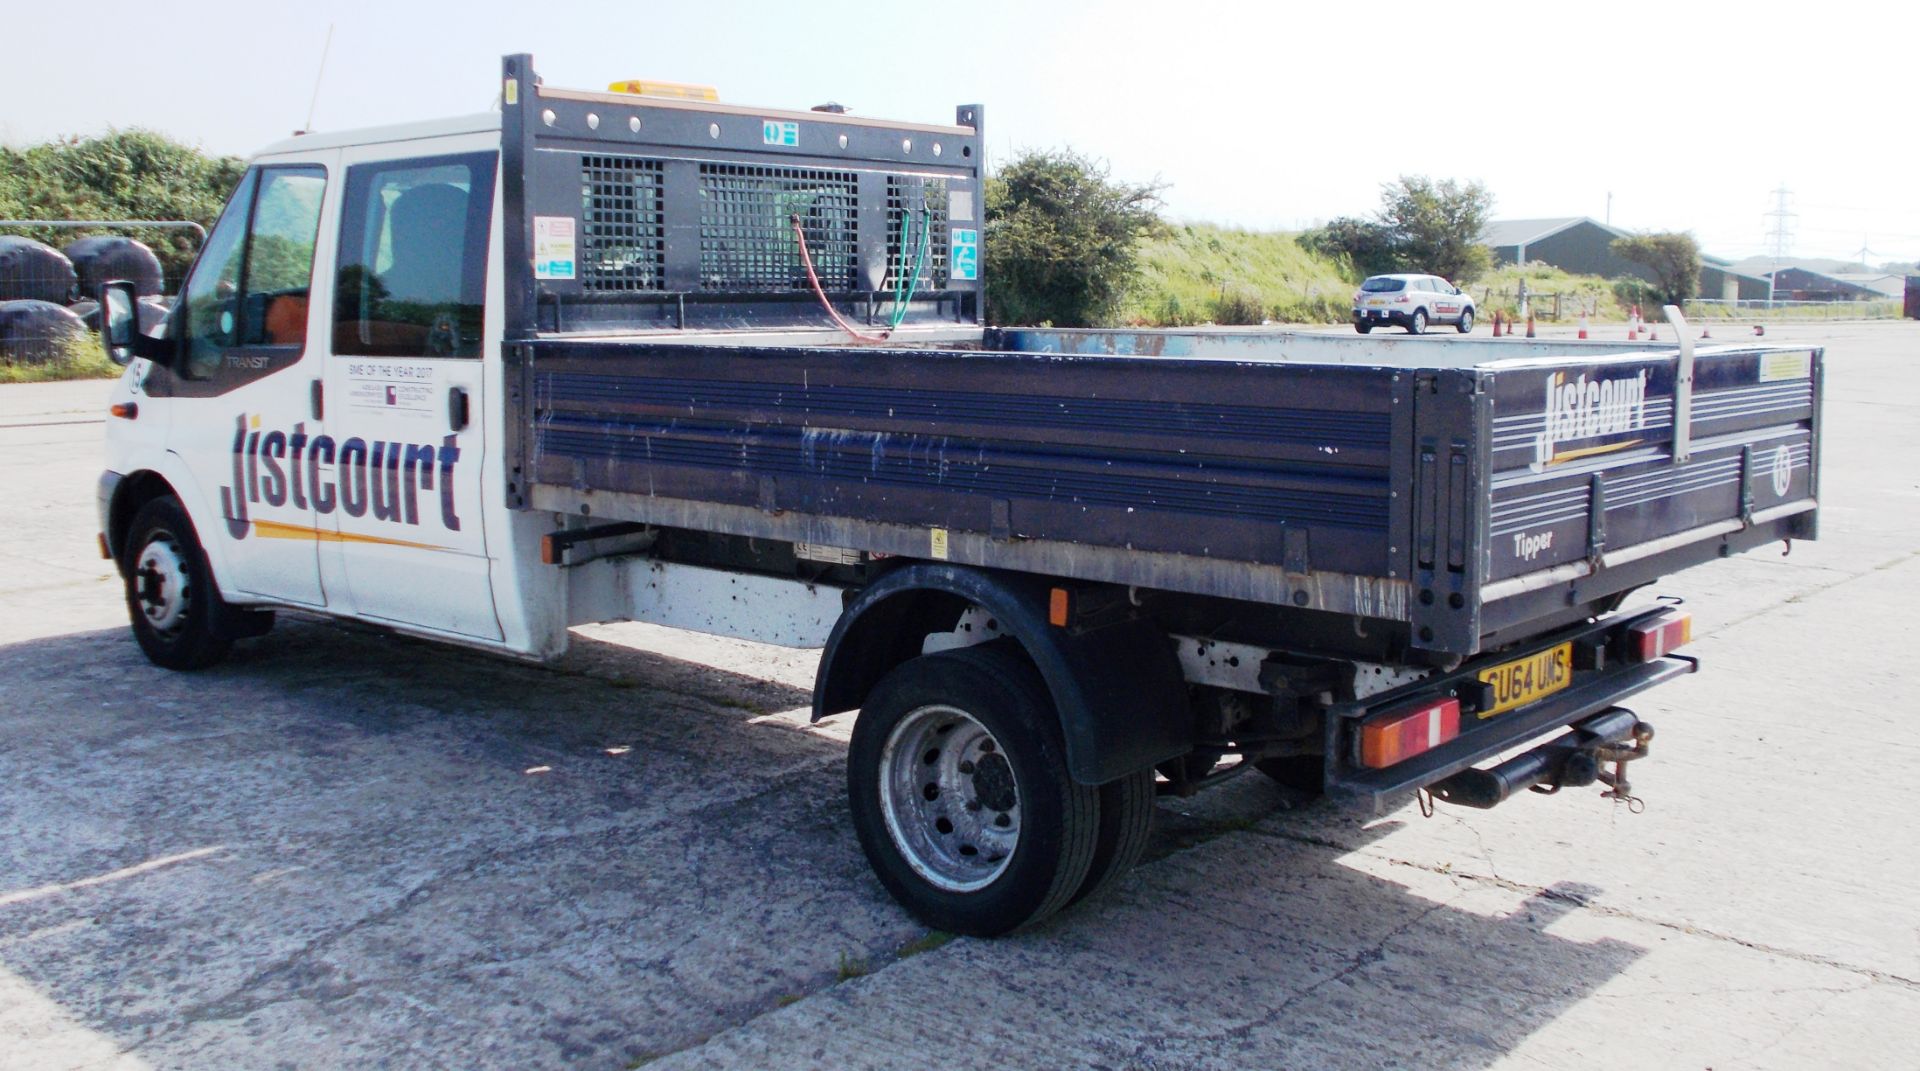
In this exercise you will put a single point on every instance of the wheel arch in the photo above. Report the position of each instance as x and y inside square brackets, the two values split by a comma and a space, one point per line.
[1118, 689]
[134, 490]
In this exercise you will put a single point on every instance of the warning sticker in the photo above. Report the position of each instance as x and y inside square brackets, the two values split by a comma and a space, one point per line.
[937, 548]
[553, 247]
[1778, 366]
[395, 388]
[774, 132]
[966, 254]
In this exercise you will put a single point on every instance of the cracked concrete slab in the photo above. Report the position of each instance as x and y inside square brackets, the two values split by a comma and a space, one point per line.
[330, 852]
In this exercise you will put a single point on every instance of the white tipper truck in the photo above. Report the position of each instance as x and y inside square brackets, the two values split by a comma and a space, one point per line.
[607, 356]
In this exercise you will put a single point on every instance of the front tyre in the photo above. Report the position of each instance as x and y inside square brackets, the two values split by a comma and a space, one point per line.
[957, 780]
[1466, 321]
[171, 600]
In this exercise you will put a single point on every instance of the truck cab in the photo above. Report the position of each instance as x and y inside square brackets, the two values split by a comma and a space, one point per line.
[324, 416]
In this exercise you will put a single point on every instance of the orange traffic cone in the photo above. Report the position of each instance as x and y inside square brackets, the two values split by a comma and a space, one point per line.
[1529, 325]
[1653, 333]
[1496, 323]
[1759, 329]
[1583, 325]
[1706, 332]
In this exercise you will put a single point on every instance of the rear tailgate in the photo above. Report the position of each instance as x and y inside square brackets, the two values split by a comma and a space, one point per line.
[1591, 493]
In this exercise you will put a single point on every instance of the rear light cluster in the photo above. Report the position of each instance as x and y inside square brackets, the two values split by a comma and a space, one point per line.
[1654, 637]
[1418, 726]
[1408, 730]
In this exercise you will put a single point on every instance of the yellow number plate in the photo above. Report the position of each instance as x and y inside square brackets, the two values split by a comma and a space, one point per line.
[1524, 680]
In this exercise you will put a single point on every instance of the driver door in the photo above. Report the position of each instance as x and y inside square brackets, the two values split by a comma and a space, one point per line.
[242, 418]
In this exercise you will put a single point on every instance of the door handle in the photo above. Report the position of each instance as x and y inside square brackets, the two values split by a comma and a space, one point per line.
[317, 399]
[456, 408]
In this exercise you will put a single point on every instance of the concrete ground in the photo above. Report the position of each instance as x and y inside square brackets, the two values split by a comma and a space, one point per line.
[342, 849]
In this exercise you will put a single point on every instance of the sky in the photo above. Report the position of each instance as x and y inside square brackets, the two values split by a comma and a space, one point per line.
[1655, 116]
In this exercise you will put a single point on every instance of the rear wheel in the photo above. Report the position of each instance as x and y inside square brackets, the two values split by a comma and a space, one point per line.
[1466, 321]
[1362, 326]
[1302, 777]
[957, 780]
[1126, 824]
[1417, 325]
[177, 613]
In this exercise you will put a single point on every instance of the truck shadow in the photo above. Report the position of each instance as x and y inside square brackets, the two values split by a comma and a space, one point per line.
[351, 849]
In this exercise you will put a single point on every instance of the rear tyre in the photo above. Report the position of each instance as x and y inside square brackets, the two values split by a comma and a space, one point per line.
[1417, 325]
[1363, 328]
[176, 611]
[958, 785]
[1466, 321]
[1126, 824]
[1302, 777]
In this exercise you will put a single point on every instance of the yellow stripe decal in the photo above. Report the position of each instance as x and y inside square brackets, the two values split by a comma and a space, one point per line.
[1591, 451]
[278, 530]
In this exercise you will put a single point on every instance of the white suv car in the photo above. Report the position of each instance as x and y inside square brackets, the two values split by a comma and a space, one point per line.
[1412, 302]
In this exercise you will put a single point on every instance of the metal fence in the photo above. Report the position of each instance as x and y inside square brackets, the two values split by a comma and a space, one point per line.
[48, 300]
[1566, 306]
[1544, 306]
[1761, 308]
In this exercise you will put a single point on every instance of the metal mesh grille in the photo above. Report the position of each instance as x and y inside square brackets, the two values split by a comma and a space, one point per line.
[623, 247]
[909, 194]
[746, 239]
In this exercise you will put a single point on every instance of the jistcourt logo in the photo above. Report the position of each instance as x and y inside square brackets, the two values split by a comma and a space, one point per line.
[359, 478]
[1589, 408]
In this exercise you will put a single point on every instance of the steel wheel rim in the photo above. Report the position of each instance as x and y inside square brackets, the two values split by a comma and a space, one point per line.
[948, 794]
[161, 586]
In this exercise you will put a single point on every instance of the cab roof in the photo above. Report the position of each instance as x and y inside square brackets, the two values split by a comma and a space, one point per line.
[483, 122]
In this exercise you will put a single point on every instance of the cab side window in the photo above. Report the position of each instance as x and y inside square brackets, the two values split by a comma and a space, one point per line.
[413, 258]
[246, 302]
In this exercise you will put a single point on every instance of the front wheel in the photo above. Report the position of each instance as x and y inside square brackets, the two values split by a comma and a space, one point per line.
[171, 599]
[1466, 321]
[1417, 325]
[957, 780]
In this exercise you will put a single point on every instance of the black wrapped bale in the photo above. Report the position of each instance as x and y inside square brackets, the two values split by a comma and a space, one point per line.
[106, 257]
[32, 271]
[36, 332]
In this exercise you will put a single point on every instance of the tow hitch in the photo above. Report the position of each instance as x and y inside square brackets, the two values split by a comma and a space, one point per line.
[1615, 737]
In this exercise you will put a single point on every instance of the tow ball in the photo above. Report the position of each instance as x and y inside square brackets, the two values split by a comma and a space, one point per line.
[1619, 754]
[1613, 737]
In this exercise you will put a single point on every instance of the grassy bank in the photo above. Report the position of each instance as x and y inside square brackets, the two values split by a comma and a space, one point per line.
[79, 357]
[1199, 273]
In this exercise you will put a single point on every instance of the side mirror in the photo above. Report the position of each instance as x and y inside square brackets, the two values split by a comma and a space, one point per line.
[119, 320]
[120, 327]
